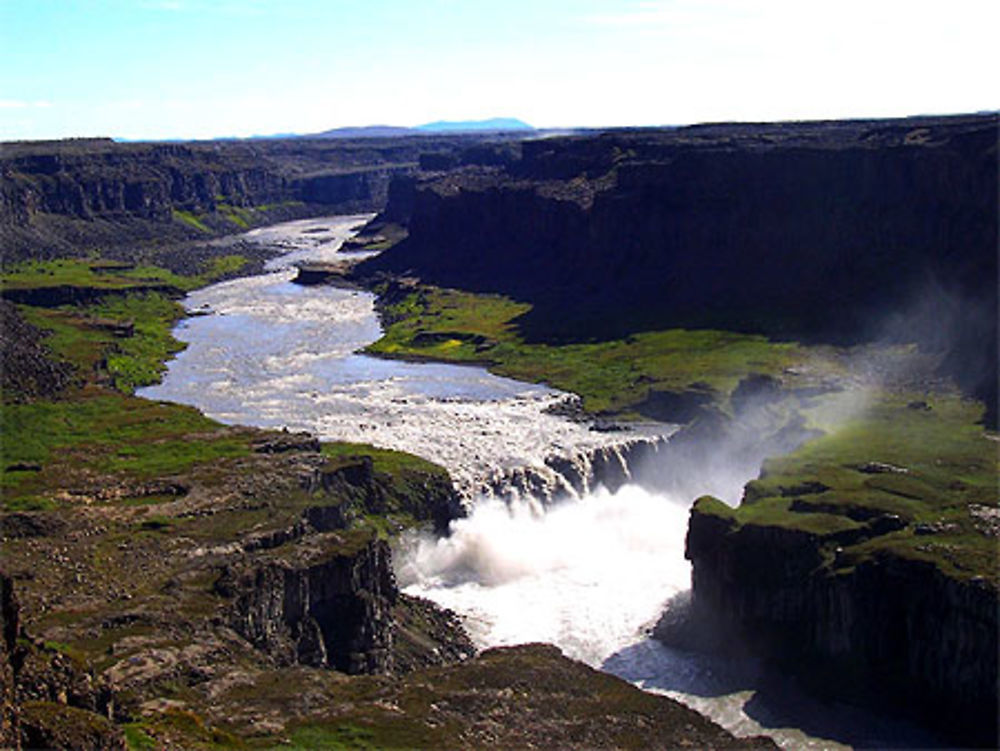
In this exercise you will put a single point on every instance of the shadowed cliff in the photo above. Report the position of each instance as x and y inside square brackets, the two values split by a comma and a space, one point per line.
[63, 198]
[827, 231]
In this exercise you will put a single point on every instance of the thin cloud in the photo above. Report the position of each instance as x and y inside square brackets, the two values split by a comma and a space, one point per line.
[12, 104]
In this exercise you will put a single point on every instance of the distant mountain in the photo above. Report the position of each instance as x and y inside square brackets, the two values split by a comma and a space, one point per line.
[493, 125]
[364, 131]
[464, 126]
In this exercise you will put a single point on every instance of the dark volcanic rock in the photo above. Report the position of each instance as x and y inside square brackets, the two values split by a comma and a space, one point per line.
[65, 197]
[48, 699]
[832, 231]
[27, 368]
[891, 632]
[46, 724]
[327, 610]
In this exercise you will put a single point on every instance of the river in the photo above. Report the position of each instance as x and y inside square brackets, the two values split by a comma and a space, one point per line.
[590, 574]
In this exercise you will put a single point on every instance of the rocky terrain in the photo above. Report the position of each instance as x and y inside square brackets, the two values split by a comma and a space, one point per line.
[170, 582]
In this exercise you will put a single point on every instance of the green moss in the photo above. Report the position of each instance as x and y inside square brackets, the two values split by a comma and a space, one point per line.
[189, 219]
[108, 433]
[241, 217]
[137, 738]
[221, 267]
[383, 460]
[611, 376]
[90, 273]
[711, 506]
[925, 466]
[332, 738]
[139, 360]
[187, 729]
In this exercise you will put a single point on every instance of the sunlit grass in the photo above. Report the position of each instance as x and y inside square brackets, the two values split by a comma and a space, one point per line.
[611, 376]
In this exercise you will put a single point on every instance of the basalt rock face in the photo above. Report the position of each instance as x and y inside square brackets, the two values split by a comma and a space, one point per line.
[891, 632]
[834, 231]
[361, 490]
[59, 196]
[47, 700]
[334, 611]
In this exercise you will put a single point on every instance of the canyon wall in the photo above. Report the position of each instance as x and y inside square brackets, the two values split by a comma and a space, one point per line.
[65, 197]
[841, 232]
[893, 631]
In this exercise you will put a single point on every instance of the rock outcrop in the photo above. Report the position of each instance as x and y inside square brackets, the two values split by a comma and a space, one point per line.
[48, 699]
[324, 610]
[892, 631]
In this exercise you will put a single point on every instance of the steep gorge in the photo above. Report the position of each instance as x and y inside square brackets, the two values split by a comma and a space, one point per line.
[893, 632]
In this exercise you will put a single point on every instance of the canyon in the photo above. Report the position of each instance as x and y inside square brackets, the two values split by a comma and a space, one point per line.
[862, 562]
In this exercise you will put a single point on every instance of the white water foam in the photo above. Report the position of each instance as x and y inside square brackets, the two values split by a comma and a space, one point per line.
[586, 575]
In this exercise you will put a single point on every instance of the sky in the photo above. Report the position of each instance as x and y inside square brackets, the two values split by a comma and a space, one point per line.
[159, 69]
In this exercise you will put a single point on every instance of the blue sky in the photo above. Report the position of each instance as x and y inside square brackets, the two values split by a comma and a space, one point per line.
[204, 68]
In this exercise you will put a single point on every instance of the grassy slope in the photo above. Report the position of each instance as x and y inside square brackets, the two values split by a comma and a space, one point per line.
[932, 466]
[611, 376]
[96, 426]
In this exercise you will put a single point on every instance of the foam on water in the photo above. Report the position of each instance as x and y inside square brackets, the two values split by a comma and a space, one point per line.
[584, 574]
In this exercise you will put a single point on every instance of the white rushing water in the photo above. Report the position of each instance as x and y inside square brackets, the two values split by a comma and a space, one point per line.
[585, 575]
[592, 575]
[589, 574]
[267, 352]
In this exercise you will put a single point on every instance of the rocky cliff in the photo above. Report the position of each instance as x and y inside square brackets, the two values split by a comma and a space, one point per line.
[325, 610]
[59, 196]
[893, 631]
[48, 699]
[833, 231]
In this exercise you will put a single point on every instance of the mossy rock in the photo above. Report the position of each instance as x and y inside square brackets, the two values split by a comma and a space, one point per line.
[47, 724]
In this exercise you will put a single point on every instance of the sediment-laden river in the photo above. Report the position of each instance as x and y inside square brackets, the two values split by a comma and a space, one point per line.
[589, 574]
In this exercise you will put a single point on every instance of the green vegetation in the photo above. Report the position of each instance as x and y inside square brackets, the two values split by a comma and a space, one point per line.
[923, 460]
[238, 215]
[137, 738]
[383, 460]
[228, 217]
[190, 219]
[111, 276]
[92, 274]
[611, 376]
[108, 433]
[333, 738]
[120, 339]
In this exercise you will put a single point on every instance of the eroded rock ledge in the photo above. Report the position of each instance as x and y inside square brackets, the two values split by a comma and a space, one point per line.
[891, 632]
